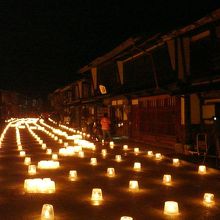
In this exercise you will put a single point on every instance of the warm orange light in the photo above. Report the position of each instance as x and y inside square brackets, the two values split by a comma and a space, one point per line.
[171, 208]
[133, 185]
[208, 199]
[73, 175]
[167, 179]
[126, 218]
[137, 166]
[158, 156]
[93, 161]
[118, 158]
[27, 160]
[47, 212]
[150, 153]
[202, 169]
[111, 172]
[136, 150]
[32, 170]
[176, 162]
[125, 147]
[96, 197]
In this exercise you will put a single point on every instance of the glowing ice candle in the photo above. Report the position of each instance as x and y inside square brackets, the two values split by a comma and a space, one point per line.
[208, 199]
[81, 154]
[125, 147]
[47, 212]
[54, 157]
[202, 169]
[176, 162]
[40, 141]
[22, 153]
[133, 185]
[27, 160]
[48, 164]
[158, 156]
[126, 218]
[111, 144]
[104, 152]
[111, 172]
[49, 151]
[171, 208]
[167, 179]
[93, 161]
[66, 144]
[103, 142]
[56, 138]
[72, 175]
[137, 166]
[43, 146]
[96, 194]
[118, 158]
[32, 169]
[150, 153]
[20, 147]
[136, 150]
[60, 141]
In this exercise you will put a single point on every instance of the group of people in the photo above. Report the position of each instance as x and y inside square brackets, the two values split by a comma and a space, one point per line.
[100, 129]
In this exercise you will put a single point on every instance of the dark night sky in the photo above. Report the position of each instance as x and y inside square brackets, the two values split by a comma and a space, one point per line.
[43, 43]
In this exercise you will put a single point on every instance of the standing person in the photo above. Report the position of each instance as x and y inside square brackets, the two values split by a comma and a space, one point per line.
[105, 124]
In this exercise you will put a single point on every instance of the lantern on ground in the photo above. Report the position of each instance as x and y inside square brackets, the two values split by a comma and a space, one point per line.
[133, 185]
[171, 208]
[208, 199]
[167, 179]
[202, 169]
[111, 172]
[47, 212]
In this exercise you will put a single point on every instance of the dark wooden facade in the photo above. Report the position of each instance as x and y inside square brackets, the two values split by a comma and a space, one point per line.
[159, 89]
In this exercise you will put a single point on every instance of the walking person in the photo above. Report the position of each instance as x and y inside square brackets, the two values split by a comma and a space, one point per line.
[105, 124]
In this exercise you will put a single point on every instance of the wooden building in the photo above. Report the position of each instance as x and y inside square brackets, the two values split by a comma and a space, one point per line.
[161, 89]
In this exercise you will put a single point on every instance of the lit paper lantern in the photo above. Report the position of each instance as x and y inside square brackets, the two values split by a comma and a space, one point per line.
[47, 212]
[171, 208]
[202, 169]
[133, 185]
[208, 199]
[111, 172]
[137, 166]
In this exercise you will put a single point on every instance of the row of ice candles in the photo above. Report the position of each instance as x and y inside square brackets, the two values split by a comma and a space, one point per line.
[170, 207]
